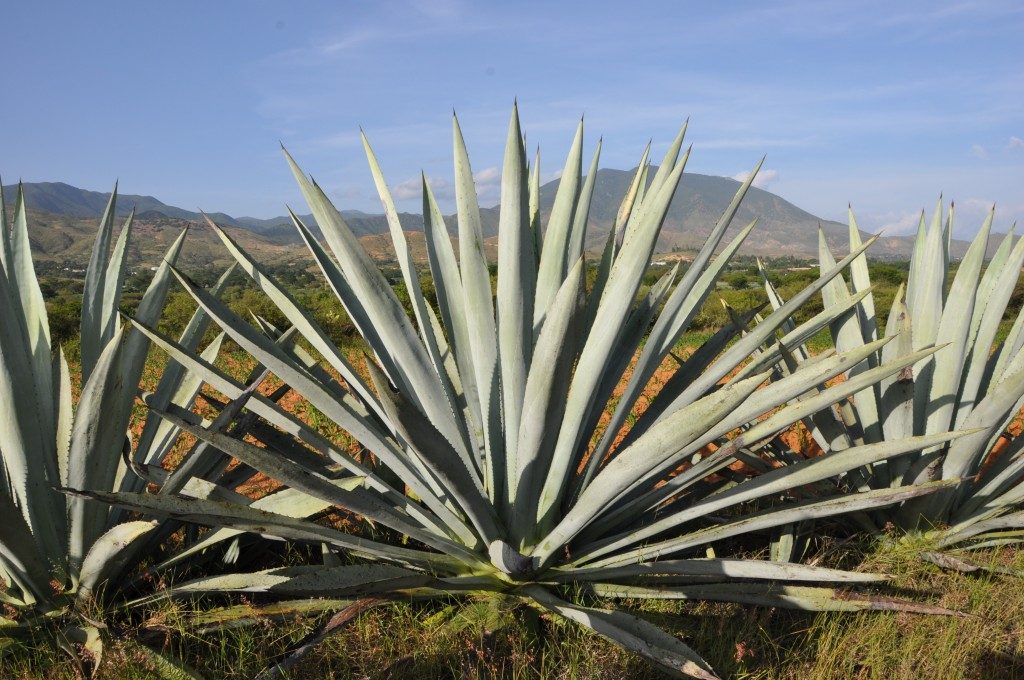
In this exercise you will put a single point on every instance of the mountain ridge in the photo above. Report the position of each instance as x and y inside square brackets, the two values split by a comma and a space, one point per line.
[783, 228]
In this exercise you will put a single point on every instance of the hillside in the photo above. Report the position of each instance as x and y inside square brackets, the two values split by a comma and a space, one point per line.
[67, 241]
[66, 215]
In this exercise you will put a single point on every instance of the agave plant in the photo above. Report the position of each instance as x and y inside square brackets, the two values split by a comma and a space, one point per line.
[56, 551]
[974, 381]
[490, 467]
[62, 559]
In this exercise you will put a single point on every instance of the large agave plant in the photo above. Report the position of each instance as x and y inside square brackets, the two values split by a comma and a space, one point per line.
[974, 381]
[491, 468]
[64, 560]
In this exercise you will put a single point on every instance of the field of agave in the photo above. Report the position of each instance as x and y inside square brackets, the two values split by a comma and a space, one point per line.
[504, 444]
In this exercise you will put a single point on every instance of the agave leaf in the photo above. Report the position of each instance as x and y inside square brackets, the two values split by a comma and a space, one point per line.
[604, 270]
[358, 580]
[20, 556]
[476, 286]
[345, 412]
[741, 349]
[765, 520]
[553, 265]
[514, 303]
[808, 598]
[307, 480]
[177, 385]
[184, 396]
[29, 464]
[346, 295]
[668, 164]
[578, 233]
[860, 280]
[64, 411]
[408, 268]
[850, 333]
[777, 481]
[609, 322]
[6, 254]
[925, 298]
[290, 424]
[630, 200]
[302, 320]
[451, 303]
[785, 390]
[243, 518]
[954, 328]
[201, 460]
[111, 553]
[95, 285]
[631, 466]
[897, 392]
[631, 632]
[990, 414]
[383, 309]
[164, 667]
[637, 324]
[993, 481]
[33, 309]
[284, 501]
[534, 205]
[87, 636]
[685, 301]
[136, 349]
[975, 527]
[544, 399]
[926, 283]
[795, 336]
[1004, 275]
[454, 475]
[687, 373]
[721, 569]
[967, 566]
[95, 448]
[114, 283]
[1007, 351]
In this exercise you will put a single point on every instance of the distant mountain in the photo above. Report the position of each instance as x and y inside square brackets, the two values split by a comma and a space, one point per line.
[783, 228]
[63, 199]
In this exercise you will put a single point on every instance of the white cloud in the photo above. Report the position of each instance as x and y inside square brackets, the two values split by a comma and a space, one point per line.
[765, 177]
[895, 223]
[978, 151]
[412, 188]
[1015, 143]
[488, 187]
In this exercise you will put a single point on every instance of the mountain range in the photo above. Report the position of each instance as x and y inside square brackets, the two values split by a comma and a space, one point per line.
[64, 220]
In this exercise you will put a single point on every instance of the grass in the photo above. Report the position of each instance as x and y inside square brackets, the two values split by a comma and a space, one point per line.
[487, 639]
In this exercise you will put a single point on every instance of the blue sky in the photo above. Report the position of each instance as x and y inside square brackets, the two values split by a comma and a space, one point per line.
[882, 104]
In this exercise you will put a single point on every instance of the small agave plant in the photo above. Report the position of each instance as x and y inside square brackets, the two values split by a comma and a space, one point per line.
[65, 561]
[974, 381]
[489, 462]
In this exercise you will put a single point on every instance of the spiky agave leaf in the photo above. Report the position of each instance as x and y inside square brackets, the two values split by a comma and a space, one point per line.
[504, 480]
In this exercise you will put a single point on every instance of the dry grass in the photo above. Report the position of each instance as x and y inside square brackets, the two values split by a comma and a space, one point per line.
[487, 639]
